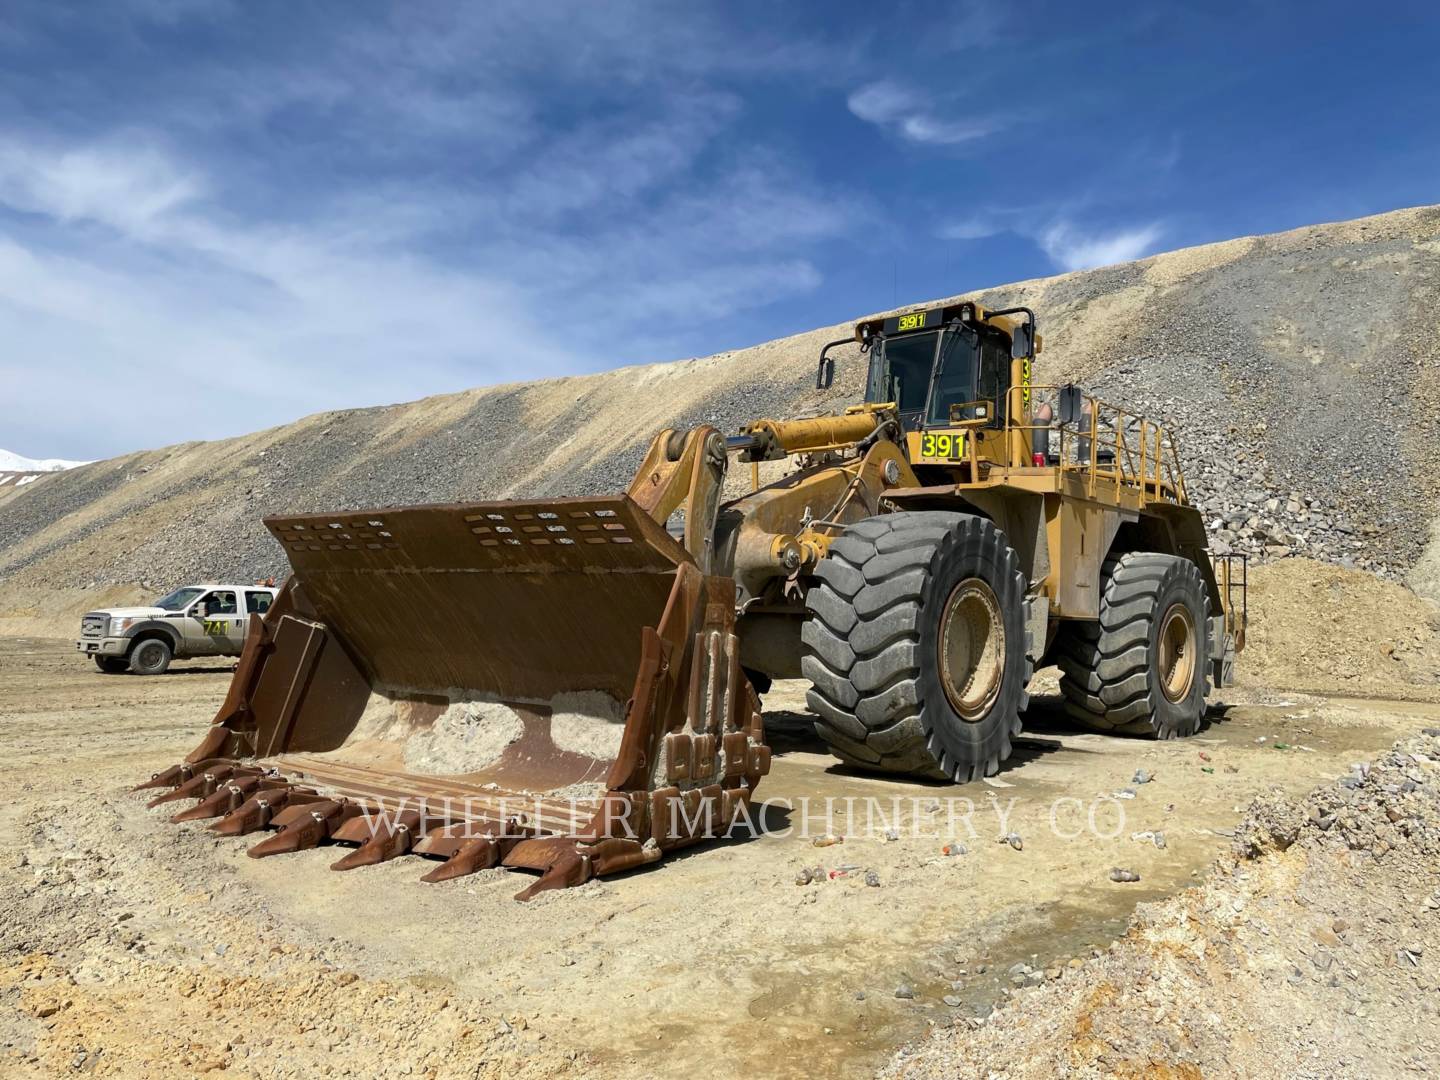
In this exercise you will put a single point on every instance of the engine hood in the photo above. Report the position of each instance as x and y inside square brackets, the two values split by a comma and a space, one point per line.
[130, 612]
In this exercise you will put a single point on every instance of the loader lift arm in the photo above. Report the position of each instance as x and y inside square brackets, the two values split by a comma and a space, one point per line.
[684, 471]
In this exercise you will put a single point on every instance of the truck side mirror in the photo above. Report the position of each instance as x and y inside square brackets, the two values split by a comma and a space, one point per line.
[1069, 404]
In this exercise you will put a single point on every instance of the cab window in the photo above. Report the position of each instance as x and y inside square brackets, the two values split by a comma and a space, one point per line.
[900, 372]
[955, 384]
[179, 599]
[905, 376]
[219, 602]
[995, 376]
[257, 603]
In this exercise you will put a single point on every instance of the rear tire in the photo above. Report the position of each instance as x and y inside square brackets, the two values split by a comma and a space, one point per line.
[112, 665]
[151, 657]
[915, 646]
[1141, 668]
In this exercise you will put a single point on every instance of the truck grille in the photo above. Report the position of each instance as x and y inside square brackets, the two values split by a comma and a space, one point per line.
[94, 626]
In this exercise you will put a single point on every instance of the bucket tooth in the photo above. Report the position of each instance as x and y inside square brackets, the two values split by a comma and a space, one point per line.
[177, 774]
[569, 869]
[199, 786]
[304, 826]
[225, 798]
[203, 785]
[474, 855]
[388, 837]
[445, 840]
[256, 812]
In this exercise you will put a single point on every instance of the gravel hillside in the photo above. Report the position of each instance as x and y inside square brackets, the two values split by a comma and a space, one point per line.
[1301, 371]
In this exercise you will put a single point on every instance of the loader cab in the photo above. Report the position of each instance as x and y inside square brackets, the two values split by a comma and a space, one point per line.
[940, 367]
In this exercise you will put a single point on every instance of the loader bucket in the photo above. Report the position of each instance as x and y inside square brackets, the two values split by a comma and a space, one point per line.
[547, 685]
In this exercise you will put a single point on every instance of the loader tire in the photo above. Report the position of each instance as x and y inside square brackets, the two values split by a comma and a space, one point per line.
[1141, 668]
[915, 645]
[150, 657]
[112, 665]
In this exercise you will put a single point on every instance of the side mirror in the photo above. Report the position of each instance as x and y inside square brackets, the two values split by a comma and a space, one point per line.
[1022, 342]
[825, 375]
[1069, 404]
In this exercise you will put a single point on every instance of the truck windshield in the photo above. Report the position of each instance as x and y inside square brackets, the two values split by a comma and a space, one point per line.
[179, 599]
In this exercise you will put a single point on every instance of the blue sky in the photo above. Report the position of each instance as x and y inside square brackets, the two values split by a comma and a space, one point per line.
[219, 216]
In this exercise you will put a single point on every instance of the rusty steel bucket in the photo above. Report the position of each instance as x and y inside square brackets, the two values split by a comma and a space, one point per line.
[550, 685]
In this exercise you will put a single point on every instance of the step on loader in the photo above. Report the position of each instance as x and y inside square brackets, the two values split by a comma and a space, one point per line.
[571, 686]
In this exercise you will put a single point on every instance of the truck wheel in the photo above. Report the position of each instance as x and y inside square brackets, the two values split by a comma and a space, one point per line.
[150, 657]
[112, 665]
[915, 645]
[1140, 669]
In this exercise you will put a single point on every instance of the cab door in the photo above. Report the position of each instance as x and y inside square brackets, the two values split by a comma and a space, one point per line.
[216, 625]
[257, 602]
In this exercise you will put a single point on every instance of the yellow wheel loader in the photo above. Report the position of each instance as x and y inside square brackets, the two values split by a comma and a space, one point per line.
[571, 686]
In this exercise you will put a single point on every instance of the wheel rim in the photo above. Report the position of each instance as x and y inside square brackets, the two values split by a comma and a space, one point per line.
[972, 649]
[149, 655]
[1177, 652]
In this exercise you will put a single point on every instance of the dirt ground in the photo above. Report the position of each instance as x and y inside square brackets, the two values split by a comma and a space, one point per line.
[1309, 951]
[132, 946]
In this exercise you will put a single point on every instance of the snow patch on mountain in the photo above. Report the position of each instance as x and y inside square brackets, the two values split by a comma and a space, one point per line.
[11, 462]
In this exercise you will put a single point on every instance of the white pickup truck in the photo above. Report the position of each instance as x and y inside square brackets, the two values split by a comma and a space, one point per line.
[196, 620]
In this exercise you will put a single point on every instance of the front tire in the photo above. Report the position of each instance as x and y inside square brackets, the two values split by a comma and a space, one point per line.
[915, 646]
[151, 657]
[1141, 668]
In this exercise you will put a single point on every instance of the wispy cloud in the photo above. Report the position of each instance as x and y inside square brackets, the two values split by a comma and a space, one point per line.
[973, 228]
[124, 182]
[1072, 247]
[923, 128]
[915, 117]
[341, 219]
[1067, 244]
[238, 322]
[881, 102]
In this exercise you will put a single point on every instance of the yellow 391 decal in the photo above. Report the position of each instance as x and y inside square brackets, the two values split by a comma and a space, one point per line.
[942, 444]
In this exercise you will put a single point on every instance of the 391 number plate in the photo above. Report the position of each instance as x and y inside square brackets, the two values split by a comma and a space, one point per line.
[942, 444]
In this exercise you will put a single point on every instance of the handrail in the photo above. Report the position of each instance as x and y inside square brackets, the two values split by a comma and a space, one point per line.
[1100, 446]
[1235, 623]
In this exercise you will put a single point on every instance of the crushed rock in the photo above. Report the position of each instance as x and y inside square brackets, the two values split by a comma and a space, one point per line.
[466, 737]
[589, 723]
